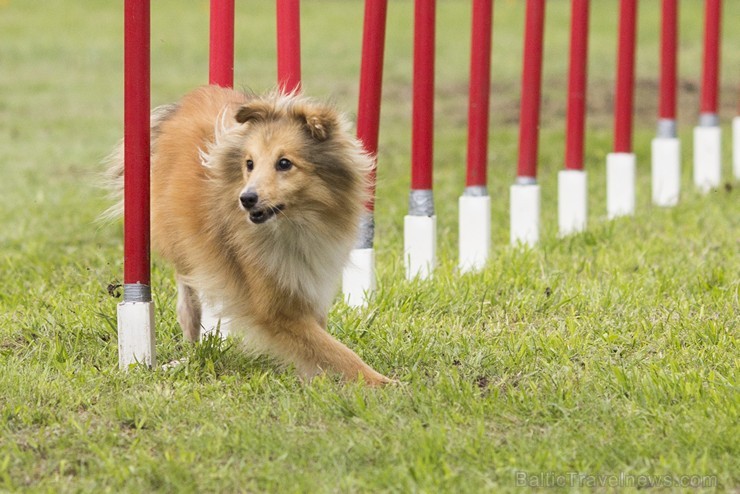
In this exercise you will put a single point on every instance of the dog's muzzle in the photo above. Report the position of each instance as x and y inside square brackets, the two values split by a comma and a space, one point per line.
[258, 213]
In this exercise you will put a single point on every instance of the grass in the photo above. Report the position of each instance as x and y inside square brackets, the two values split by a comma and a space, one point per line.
[612, 352]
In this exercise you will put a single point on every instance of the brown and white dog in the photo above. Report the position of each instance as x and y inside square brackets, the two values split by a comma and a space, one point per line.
[256, 200]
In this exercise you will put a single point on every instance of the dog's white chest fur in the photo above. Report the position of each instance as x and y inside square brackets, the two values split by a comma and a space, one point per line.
[306, 264]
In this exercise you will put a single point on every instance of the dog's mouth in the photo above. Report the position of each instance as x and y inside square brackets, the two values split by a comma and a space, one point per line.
[260, 215]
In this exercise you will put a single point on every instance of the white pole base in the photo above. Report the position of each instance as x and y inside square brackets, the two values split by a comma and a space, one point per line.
[136, 334]
[419, 246]
[211, 319]
[620, 184]
[475, 232]
[666, 170]
[707, 157]
[358, 278]
[525, 214]
[572, 201]
[736, 147]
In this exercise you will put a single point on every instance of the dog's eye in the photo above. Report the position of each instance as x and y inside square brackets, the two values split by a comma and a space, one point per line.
[250, 165]
[284, 164]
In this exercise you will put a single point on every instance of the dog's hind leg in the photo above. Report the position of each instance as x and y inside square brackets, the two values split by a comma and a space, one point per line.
[188, 310]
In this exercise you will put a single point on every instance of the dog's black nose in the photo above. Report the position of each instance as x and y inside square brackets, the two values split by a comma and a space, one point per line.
[249, 199]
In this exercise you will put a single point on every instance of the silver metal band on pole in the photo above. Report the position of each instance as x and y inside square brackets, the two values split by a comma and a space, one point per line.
[666, 128]
[366, 234]
[421, 203]
[708, 120]
[476, 191]
[137, 292]
[525, 181]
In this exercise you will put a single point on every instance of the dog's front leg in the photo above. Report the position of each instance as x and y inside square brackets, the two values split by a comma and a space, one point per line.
[314, 351]
[188, 311]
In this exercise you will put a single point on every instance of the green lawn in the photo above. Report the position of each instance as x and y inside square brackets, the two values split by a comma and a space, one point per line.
[613, 352]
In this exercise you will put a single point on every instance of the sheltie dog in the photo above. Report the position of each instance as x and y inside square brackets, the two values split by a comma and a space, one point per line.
[256, 201]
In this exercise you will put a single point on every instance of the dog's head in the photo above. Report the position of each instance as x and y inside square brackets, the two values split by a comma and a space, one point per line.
[298, 160]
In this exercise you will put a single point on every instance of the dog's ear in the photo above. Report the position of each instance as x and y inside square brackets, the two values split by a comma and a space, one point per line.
[254, 111]
[320, 123]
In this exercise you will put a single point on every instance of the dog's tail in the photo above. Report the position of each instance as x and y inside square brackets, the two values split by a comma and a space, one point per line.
[112, 179]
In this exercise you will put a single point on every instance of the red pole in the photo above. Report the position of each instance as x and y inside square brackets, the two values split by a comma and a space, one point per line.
[668, 60]
[371, 81]
[576, 117]
[423, 99]
[289, 45]
[221, 69]
[531, 88]
[136, 143]
[624, 101]
[480, 87]
[710, 72]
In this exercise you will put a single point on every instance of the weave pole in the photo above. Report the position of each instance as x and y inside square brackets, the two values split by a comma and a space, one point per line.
[221, 51]
[358, 279]
[666, 147]
[475, 203]
[136, 312]
[525, 193]
[573, 180]
[420, 225]
[289, 45]
[220, 73]
[708, 134]
[620, 164]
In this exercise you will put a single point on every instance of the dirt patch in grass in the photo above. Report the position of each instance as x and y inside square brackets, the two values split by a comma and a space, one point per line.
[505, 97]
